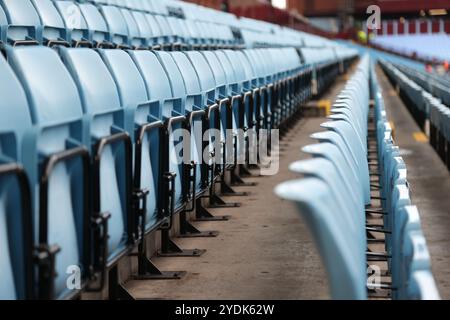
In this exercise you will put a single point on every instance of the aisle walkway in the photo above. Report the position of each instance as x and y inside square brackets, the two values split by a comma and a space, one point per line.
[429, 182]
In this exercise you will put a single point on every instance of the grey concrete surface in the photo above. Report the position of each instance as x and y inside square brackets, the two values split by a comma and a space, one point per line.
[429, 182]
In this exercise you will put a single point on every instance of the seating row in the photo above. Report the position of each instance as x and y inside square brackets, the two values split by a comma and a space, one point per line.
[409, 261]
[426, 107]
[75, 24]
[440, 129]
[168, 25]
[432, 83]
[409, 90]
[336, 188]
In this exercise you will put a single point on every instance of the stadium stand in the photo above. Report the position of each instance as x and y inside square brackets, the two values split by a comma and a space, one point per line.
[94, 178]
[92, 96]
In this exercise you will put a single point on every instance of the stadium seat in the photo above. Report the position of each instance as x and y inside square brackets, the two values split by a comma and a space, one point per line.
[111, 147]
[98, 29]
[133, 95]
[74, 22]
[117, 26]
[159, 36]
[144, 29]
[166, 90]
[16, 220]
[23, 22]
[59, 142]
[53, 30]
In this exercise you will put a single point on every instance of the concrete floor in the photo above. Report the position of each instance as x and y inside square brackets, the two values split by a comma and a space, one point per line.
[263, 252]
[429, 182]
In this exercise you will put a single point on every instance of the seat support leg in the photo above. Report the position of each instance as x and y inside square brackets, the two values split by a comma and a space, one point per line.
[148, 271]
[115, 289]
[187, 230]
[171, 249]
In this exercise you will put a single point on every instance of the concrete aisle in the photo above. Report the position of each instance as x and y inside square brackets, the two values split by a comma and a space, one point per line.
[429, 182]
[263, 252]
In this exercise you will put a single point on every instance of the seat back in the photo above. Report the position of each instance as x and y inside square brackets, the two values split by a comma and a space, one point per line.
[136, 39]
[133, 94]
[143, 26]
[229, 72]
[179, 90]
[175, 77]
[204, 74]
[164, 26]
[3, 20]
[154, 26]
[190, 79]
[218, 73]
[154, 75]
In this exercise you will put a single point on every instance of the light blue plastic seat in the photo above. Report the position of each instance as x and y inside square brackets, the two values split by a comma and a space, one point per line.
[74, 22]
[219, 75]
[172, 39]
[117, 26]
[53, 29]
[133, 96]
[220, 78]
[414, 256]
[16, 229]
[143, 26]
[408, 220]
[336, 139]
[23, 22]
[201, 94]
[165, 85]
[98, 29]
[323, 169]
[197, 38]
[137, 40]
[229, 126]
[179, 31]
[260, 90]
[110, 129]
[61, 214]
[3, 20]
[347, 174]
[159, 37]
[347, 133]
